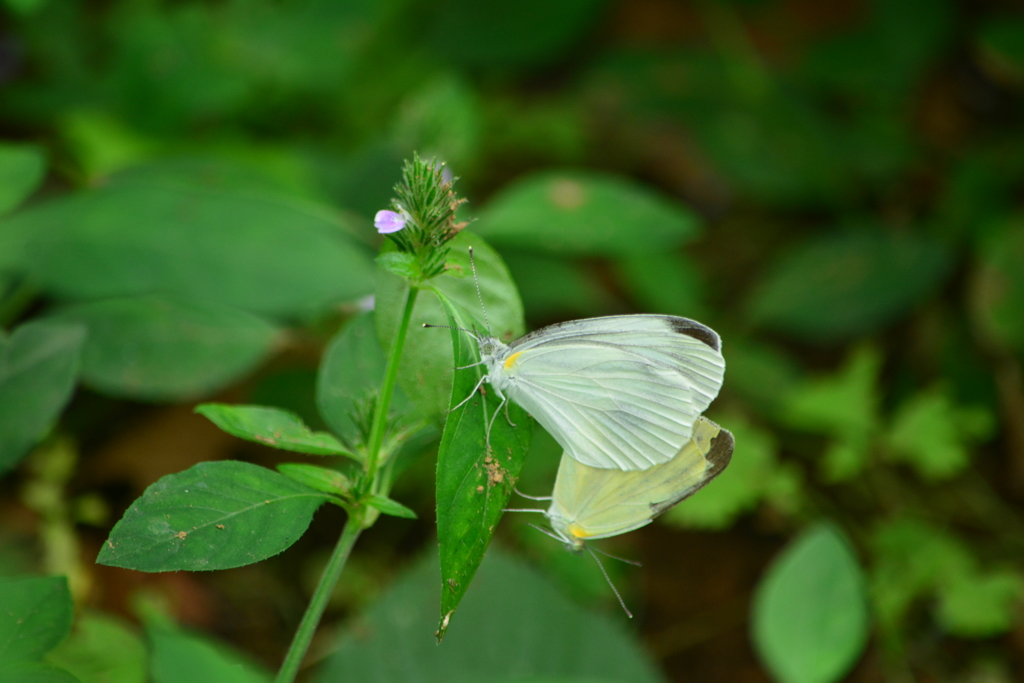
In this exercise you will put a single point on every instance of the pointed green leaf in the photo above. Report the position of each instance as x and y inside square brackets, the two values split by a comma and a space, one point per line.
[844, 284]
[390, 507]
[157, 349]
[810, 617]
[272, 427]
[252, 251]
[216, 515]
[473, 482]
[38, 368]
[351, 370]
[585, 213]
[315, 477]
[514, 625]
[35, 615]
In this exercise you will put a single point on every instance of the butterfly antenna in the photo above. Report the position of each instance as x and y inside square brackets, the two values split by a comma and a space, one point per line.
[476, 281]
[451, 327]
[547, 533]
[609, 580]
[524, 495]
[620, 559]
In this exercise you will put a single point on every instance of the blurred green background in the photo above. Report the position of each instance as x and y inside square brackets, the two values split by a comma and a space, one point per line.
[186, 201]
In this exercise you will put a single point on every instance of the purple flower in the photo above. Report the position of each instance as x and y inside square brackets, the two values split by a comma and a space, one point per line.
[388, 221]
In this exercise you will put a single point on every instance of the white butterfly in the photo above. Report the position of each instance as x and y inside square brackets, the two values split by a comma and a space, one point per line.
[618, 392]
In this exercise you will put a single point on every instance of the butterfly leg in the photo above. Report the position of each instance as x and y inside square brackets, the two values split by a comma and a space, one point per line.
[471, 394]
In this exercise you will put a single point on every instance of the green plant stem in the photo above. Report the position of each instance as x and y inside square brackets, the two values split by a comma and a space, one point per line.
[356, 521]
[387, 390]
[317, 605]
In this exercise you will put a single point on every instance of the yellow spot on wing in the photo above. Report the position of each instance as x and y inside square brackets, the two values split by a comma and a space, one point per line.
[577, 531]
[512, 359]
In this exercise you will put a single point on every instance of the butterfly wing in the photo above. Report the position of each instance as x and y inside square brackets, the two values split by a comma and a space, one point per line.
[597, 503]
[692, 349]
[621, 391]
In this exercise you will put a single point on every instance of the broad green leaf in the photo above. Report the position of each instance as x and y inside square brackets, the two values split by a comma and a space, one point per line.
[552, 287]
[351, 370]
[38, 367]
[315, 477]
[843, 406]
[34, 672]
[933, 435]
[997, 295]
[513, 626]
[159, 349]
[425, 371]
[22, 168]
[179, 656]
[509, 33]
[272, 427]
[253, 251]
[216, 515]
[102, 649]
[810, 617]
[35, 615]
[845, 284]
[585, 213]
[474, 477]
[664, 283]
[744, 483]
[390, 507]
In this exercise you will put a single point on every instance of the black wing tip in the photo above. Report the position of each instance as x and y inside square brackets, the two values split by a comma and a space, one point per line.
[692, 328]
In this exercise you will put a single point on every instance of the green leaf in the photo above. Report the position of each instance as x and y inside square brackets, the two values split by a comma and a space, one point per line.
[351, 370]
[425, 371]
[810, 617]
[179, 656]
[35, 615]
[509, 33]
[933, 435]
[22, 168]
[390, 507]
[474, 481]
[664, 283]
[997, 294]
[158, 349]
[748, 479]
[401, 264]
[272, 427]
[585, 213]
[513, 626]
[102, 649]
[762, 374]
[256, 252]
[38, 367]
[845, 284]
[33, 672]
[315, 477]
[983, 605]
[915, 560]
[843, 406]
[553, 286]
[216, 515]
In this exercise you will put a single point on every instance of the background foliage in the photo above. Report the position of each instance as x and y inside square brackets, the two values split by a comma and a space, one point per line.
[186, 195]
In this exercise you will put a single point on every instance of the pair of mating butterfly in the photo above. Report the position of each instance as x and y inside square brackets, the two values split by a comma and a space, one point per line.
[623, 396]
